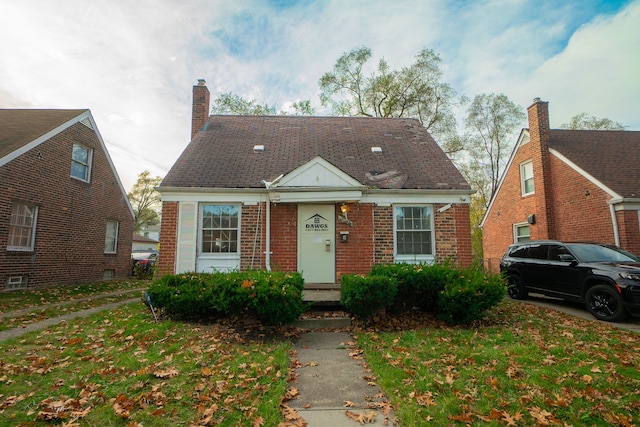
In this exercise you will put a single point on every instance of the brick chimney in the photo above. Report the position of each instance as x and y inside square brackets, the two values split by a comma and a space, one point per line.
[540, 137]
[200, 107]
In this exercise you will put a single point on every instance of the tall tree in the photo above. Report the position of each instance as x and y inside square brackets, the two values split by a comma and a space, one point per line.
[492, 120]
[583, 121]
[145, 200]
[415, 91]
[229, 103]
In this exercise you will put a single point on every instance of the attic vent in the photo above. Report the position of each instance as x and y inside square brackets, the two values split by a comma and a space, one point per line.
[376, 150]
[86, 122]
[258, 148]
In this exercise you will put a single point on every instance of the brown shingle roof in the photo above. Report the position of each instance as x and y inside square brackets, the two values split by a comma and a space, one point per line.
[222, 154]
[612, 157]
[19, 127]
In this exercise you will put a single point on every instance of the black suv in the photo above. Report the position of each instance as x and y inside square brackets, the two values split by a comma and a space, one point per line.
[605, 280]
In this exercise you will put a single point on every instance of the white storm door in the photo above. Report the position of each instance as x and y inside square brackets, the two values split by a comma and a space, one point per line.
[316, 243]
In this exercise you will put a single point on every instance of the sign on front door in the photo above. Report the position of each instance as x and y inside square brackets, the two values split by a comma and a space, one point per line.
[316, 243]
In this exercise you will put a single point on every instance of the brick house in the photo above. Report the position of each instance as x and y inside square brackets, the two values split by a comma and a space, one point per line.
[321, 195]
[570, 185]
[64, 215]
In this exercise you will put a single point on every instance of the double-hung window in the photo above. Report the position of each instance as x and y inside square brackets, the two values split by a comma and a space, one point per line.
[413, 228]
[111, 238]
[521, 232]
[81, 162]
[22, 228]
[526, 178]
[219, 230]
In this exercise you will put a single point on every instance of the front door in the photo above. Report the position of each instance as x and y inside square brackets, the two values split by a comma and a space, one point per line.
[316, 243]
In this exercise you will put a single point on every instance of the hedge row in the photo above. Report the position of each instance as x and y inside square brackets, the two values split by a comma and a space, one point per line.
[272, 297]
[455, 295]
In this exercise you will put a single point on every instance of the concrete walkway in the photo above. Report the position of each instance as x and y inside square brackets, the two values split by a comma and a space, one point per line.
[334, 387]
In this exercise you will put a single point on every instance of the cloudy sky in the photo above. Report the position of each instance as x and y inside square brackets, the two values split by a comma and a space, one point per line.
[133, 63]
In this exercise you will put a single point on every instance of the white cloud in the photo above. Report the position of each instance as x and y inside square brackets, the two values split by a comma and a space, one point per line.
[133, 63]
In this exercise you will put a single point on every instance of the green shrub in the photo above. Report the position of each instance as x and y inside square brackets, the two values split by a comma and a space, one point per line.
[364, 295]
[469, 295]
[419, 285]
[184, 295]
[274, 298]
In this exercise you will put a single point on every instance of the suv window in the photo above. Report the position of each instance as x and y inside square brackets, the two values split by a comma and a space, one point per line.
[538, 251]
[519, 251]
[555, 251]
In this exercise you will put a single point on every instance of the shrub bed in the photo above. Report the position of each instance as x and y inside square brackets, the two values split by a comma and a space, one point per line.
[454, 295]
[364, 295]
[272, 297]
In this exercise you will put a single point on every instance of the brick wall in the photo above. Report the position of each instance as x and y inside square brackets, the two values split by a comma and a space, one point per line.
[199, 107]
[629, 226]
[168, 238]
[72, 215]
[356, 256]
[453, 234]
[252, 245]
[383, 234]
[284, 237]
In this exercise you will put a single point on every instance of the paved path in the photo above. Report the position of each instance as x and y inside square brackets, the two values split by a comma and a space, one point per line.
[331, 381]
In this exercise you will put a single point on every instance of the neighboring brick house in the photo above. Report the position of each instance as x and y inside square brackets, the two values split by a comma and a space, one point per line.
[64, 215]
[324, 196]
[570, 185]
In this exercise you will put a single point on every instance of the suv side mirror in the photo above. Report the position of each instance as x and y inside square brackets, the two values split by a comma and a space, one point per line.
[568, 258]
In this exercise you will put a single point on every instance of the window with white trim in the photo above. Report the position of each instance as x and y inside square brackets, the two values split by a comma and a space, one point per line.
[219, 228]
[521, 232]
[22, 228]
[526, 178]
[81, 162]
[15, 282]
[111, 238]
[413, 230]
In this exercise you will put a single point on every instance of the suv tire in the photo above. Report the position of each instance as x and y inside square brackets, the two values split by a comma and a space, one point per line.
[515, 287]
[604, 303]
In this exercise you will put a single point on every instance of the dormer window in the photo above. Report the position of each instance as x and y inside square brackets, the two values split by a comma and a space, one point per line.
[81, 162]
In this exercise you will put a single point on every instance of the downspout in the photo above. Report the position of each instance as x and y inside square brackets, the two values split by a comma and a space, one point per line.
[267, 254]
[614, 221]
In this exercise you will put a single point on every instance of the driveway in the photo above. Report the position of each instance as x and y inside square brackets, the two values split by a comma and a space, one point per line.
[578, 310]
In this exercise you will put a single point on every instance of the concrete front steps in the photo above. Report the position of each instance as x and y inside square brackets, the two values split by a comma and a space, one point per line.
[325, 311]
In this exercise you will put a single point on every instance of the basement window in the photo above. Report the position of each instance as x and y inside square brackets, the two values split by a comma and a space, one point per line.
[14, 283]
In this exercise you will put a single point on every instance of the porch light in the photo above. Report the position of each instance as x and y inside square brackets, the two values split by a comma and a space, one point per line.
[344, 209]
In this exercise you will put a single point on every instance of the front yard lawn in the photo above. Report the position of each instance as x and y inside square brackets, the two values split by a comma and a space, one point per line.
[526, 366]
[120, 368]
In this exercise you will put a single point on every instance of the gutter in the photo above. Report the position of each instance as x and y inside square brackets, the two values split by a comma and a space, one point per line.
[267, 254]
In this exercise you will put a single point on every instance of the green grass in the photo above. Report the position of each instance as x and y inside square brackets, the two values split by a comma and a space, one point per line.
[528, 366]
[119, 367]
[17, 300]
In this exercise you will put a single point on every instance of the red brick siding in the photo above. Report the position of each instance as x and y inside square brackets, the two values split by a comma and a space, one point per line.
[357, 255]
[168, 238]
[629, 226]
[383, 234]
[453, 234]
[199, 108]
[284, 237]
[252, 234]
[72, 215]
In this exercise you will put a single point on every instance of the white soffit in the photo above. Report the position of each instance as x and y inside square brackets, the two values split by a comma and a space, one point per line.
[318, 173]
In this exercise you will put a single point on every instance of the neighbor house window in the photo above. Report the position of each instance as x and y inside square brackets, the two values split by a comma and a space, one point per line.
[521, 233]
[219, 228]
[22, 228]
[15, 282]
[526, 178]
[81, 162]
[111, 238]
[413, 233]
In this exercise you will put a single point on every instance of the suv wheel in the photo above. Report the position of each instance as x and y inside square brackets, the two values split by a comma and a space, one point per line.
[515, 288]
[604, 303]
